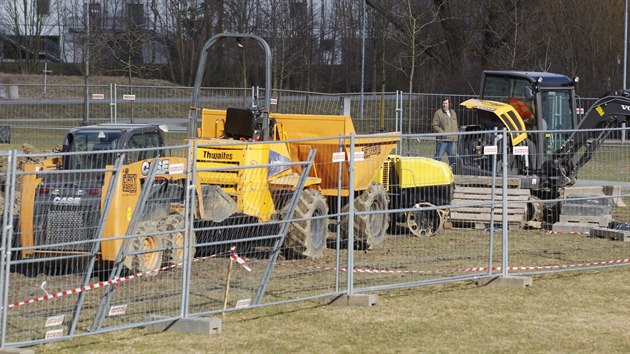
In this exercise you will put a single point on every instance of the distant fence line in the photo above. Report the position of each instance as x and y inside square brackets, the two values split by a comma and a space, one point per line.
[52, 109]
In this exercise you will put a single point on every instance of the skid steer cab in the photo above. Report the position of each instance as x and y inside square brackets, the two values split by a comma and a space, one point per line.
[60, 211]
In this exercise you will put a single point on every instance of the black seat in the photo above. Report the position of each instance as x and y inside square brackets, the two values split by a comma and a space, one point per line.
[240, 123]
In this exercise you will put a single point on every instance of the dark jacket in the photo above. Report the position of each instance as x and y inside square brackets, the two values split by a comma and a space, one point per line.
[442, 123]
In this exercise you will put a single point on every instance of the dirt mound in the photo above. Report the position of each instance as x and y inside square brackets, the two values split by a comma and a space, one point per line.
[26, 149]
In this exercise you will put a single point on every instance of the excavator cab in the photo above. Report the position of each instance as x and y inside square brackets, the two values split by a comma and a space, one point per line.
[537, 109]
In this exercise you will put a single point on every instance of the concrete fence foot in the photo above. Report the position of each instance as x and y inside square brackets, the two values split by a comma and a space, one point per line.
[364, 300]
[194, 325]
[509, 281]
[16, 351]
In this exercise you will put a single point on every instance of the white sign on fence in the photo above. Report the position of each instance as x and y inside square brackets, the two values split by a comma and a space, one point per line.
[54, 333]
[129, 97]
[521, 150]
[117, 310]
[490, 150]
[339, 156]
[359, 156]
[243, 303]
[98, 96]
[53, 321]
[273, 101]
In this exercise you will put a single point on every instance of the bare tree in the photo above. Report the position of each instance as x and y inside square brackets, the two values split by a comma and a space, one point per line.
[126, 42]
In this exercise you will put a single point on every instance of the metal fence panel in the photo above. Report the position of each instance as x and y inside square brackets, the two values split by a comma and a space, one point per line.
[284, 256]
[55, 105]
[421, 244]
[589, 219]
[219, 226]
[302, 102]
[63, 264]
[7, 179]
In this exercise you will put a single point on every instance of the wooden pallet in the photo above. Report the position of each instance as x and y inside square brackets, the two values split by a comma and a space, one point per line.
[480, 225]
[470, 191]
[485, 181]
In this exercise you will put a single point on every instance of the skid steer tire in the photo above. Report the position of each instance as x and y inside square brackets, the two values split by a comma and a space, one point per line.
[145, 240]
[370, 229]
[307, 238]
[173, 243]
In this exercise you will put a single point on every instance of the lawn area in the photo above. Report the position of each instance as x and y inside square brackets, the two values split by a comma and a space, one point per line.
[565, 312]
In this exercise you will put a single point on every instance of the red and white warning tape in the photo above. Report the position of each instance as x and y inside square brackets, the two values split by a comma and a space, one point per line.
[89, 287]
[238, 259]
[233, 255]
[551, 232]
[548, 267]
[473, 269]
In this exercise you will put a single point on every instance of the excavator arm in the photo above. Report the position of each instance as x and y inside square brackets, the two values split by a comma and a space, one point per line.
[606, 113]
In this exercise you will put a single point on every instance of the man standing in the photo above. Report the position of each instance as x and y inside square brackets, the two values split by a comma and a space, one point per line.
[445, 121]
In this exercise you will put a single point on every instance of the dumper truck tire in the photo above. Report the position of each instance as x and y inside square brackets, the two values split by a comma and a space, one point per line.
[144, 241]
[307, 238]
[173, 243]
[369, 229]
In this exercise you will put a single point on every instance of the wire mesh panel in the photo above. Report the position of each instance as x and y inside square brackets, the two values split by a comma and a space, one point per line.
[262, 235]
[7, 183]
[148, 262]
[78, 266]
[585, 216]
[59, 214]
[378, 112]
[171, 105]
[403, 226]
[55, 105]
[413, 111]
[109, 238]
[302, 102]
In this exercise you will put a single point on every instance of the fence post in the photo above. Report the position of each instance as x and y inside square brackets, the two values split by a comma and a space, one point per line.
[623, 133]
[347, 106]
[338, 228]
[350, 278]
[189, 233]
[112, 103]
[284, 228]
[398, 117]
[504, 205]
[117, 269]
[492, 207]
[78, 306]
[7, 232]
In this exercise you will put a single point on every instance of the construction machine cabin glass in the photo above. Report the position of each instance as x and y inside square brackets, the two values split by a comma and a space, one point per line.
[544, 101]
[91, 140]
[557, 114]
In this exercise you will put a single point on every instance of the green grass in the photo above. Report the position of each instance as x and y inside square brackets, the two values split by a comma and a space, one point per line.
[569, 312]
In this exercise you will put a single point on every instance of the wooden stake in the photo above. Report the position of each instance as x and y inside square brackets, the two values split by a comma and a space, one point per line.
[227, 286]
